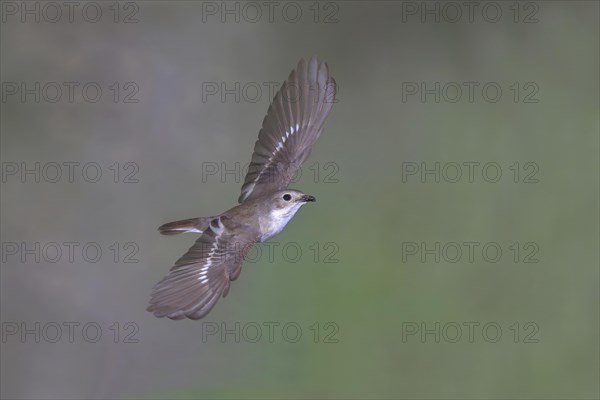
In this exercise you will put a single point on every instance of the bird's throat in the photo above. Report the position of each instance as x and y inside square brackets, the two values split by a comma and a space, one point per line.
[274, 222]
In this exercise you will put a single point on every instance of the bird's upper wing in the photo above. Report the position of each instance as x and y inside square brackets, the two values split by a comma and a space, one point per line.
[291, 127]
[202, 275]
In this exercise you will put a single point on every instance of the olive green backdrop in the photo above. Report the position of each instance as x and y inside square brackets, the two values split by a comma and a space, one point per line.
[391, 285]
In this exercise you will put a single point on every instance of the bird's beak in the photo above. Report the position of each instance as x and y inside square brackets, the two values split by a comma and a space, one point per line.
[306, 198]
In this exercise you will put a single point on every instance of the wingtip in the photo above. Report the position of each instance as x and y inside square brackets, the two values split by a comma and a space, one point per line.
[313, 62]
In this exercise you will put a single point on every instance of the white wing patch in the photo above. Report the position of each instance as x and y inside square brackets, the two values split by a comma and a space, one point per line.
[204, 270]
[283, 139]
[218, 230]
[277, 148]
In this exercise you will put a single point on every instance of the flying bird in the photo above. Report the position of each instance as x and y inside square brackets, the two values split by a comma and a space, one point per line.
[291, 127]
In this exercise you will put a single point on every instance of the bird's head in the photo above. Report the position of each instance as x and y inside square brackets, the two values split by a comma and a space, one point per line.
[285, 203]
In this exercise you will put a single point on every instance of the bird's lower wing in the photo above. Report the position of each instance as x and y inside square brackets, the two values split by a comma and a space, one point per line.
[201, 276]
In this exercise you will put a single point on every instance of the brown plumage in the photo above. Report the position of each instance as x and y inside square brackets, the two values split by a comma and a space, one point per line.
[293, 124]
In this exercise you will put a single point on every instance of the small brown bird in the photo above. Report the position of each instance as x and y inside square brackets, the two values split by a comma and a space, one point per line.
[291, 127]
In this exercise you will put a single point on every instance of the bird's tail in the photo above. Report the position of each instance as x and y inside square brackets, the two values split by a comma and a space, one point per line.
[194, 225]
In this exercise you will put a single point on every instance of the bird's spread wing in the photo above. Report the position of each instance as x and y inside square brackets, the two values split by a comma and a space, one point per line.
[202, 275]
[291, 127]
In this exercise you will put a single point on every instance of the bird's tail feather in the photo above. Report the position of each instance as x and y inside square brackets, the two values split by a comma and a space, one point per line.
[194, 225]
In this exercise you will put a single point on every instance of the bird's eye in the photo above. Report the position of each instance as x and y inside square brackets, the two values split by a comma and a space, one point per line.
[287, 197]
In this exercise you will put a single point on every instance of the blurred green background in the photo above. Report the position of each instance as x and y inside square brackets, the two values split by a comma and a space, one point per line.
[372, 305]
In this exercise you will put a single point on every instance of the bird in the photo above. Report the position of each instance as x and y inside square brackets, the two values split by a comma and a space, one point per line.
[292, 125]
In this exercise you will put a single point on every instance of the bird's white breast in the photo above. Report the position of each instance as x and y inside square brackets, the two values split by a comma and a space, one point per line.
[275, 221]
